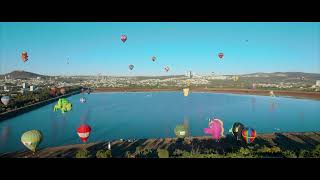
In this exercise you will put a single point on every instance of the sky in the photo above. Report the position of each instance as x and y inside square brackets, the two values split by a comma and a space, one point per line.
[95, 47]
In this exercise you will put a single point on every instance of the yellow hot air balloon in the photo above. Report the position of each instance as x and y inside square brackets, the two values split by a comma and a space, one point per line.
[185, 91]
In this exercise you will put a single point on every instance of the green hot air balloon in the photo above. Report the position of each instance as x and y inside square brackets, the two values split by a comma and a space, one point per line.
[31, 139]
[181, 131]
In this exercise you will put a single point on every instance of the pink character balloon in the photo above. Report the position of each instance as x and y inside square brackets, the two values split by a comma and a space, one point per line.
[215, 129]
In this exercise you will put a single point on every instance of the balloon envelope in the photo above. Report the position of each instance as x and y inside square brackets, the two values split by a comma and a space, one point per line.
[31, 139]
[84, 132]
[220, 55]
[215, 128]
[5, 100]
[186, 91]
[131, 66]
[82, 100]
[24, 56]
[249, 135]
[153, 58]
[123, 38]
[236, 129]
[62, 91]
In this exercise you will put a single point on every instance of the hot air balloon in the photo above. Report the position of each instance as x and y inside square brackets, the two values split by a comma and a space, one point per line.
[220, 55]
[24, 56]
[131, 66]
[153, 58]
[5, 100]
[166, 68]
[181, 131]
[31, 139]
[84, 132]
[272, 94]
[249, 135]
[236, 130]
[123, 38]
[82, 100]
[53, 91]
[215, 129]
[64, 105]
[185, 91]
[62, 91]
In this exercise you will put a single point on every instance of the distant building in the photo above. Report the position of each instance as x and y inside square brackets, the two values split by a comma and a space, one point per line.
[24, 85]
[38, 78]
[318, 83]
[31, 88]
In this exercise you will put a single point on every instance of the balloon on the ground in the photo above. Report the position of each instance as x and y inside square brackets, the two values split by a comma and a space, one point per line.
[123, 38]
[31, 139]
[131, 66]
[181, 130]
[185, 91]
[236, 130]
[53, 91]
[215, 129]
[64, 105]
[82, 100]
[249, 135]
[5, 100]
[62, 91]
[24, 56]
[84, 132]
[220, 55]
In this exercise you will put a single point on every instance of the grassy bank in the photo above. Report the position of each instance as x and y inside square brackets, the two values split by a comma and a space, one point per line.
[279, 145]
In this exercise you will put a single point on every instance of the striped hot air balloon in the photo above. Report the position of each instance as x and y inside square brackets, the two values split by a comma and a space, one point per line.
[31, 139]
[249, 135]
[84, 132]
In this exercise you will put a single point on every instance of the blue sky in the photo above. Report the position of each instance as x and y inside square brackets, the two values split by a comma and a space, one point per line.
[96, 47]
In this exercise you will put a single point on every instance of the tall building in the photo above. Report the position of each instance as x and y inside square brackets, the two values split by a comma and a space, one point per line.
[24, 85]
[31, 88]
[318, 83]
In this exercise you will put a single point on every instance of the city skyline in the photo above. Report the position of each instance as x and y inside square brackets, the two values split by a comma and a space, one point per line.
[93, 48]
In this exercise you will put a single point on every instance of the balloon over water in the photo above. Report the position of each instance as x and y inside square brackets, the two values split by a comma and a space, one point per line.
[31, 139]
[5, 100]
[84, 132]
[215, 129]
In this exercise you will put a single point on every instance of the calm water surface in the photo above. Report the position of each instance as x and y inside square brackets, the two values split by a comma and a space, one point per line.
[153, 115]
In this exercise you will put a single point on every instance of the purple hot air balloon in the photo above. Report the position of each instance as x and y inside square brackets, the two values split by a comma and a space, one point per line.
[215, 129]
[123, 38]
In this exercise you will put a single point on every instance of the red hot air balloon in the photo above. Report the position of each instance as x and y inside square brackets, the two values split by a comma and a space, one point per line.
[220, 55]
[123, 38]
[53, 91]
[24, 56]
[84, 132]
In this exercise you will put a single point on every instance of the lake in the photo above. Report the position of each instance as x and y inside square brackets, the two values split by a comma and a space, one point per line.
[135, 115]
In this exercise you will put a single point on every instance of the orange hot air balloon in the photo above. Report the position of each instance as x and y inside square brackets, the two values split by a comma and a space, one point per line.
[62, 91]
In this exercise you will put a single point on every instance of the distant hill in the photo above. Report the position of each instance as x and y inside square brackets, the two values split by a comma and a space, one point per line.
[21, 75]
[284, 74]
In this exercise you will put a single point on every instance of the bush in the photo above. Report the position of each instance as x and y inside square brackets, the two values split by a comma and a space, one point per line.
[289, 154]
[104, 154]
[83, 154]
[163, 153]
[316, 152]
[304, 154]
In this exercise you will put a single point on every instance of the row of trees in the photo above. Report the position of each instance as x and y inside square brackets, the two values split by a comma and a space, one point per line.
[28, 98]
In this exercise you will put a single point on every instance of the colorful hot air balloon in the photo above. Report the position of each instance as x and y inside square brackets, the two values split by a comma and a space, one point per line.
[84, 132]
[220, 55]
[5, 100]
[82, 100]
[185, 91]
[24, 56]
[153, 58]
[31, 139]
[123, 38]
[236, 130]
[166, 68]
[64, 105]
[215, 129]
[131, 66]
[249, 135]
[62, 91]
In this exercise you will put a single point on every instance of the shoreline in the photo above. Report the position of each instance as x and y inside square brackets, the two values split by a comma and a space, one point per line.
[293, 141]
[279, 93]
[16, 112]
